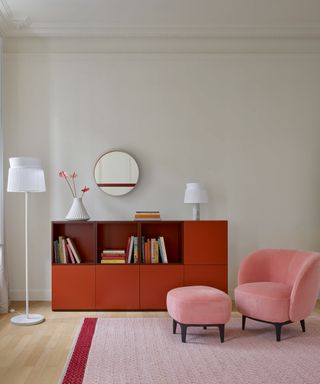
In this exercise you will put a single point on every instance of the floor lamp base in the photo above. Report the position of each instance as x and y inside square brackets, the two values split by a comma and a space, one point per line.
[27, 320]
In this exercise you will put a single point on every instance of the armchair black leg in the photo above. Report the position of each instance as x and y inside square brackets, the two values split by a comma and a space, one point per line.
[303, 325]
[174, 326]
[243, 322]
[183, 332]
[278, 330]
[204, 327]
[221, 331]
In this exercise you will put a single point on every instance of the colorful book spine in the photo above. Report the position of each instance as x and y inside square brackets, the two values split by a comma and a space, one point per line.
[61, 253]
[135, 249]
[146, 252]
[56, 252]
[142, 250]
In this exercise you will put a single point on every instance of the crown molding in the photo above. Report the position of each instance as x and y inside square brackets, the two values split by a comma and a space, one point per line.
[21, 34]
[23, 27]
[10, 24]
[161, 45]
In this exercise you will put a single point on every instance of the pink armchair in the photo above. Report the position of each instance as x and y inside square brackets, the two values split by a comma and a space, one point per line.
[278, 286]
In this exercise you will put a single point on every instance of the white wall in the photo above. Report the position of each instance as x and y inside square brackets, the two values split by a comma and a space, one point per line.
[246, 125]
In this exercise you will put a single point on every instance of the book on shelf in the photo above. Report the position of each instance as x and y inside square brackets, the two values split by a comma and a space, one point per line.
[56, 251]
[74, 250]
[114, 251]
[118, 261]
[72, 258]
[162, 248]
[117, 255]
[65, 251]
[113, 259]
[62, 256]
[147, 215]
[129, 249]
[142, 249]
[135, 249]
[113, 256]
[154, 251]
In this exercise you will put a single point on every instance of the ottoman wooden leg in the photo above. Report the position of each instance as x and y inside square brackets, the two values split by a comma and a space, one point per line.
[183, 332]
[243, 322]
[221, 331]
[174, 326]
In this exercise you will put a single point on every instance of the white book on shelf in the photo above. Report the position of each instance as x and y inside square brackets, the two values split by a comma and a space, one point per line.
[164, 252]
[129, 256]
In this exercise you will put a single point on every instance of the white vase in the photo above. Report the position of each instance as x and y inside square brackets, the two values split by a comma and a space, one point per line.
[77, 210]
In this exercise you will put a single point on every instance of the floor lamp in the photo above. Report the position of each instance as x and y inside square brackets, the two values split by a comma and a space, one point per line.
[26, 175]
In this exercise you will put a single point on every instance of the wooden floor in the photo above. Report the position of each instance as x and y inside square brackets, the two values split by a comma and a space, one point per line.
[37, 354]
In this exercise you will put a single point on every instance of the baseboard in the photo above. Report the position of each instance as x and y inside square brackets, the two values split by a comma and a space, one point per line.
[34, 295]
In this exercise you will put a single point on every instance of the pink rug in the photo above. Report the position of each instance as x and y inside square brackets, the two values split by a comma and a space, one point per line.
[144, 351]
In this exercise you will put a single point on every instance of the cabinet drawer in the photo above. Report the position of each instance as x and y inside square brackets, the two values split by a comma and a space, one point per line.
[156, 281]
[211, 275]
[205, 242]
[117, 287]
[73, 287]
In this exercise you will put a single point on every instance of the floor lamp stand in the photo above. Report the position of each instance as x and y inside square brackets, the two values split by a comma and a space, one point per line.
[27, 318]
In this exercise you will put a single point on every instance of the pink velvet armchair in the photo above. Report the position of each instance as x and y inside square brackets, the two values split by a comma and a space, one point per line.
[278, 286]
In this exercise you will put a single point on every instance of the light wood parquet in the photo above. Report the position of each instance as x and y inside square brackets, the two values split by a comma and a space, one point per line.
[37, 354]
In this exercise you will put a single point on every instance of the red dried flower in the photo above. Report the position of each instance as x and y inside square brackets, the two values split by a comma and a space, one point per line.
[72, 185]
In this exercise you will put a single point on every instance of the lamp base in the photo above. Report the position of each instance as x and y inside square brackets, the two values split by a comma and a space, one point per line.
[196, 211]
[27, 320]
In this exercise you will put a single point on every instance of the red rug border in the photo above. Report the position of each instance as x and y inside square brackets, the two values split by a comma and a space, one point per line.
[77, 364]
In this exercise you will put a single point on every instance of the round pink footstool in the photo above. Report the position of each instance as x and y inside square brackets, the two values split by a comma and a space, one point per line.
[198, 306]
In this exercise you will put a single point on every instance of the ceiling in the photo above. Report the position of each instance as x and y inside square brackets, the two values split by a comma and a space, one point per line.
[179, 18]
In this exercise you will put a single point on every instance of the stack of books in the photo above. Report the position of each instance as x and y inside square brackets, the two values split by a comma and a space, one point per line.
[65, 251]
[147, 215]
[113, 256]
[153, 251]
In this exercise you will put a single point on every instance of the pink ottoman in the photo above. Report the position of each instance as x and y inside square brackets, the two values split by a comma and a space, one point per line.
[198, 306]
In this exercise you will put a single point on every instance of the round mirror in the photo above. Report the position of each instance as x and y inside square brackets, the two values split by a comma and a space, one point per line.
[116, 173]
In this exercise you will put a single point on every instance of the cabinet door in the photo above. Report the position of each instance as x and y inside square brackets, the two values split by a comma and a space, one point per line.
[117, 287]
[73, 287]
[205, 242]
[156, 281]
[211, 275]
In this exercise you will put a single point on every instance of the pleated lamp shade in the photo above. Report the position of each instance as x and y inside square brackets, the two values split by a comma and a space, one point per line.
[25, 175]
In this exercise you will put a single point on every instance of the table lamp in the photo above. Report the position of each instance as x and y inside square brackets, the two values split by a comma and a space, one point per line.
[195, 194]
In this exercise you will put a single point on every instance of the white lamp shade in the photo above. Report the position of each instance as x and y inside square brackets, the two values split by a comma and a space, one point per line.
[25, 175]
[195, 193]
